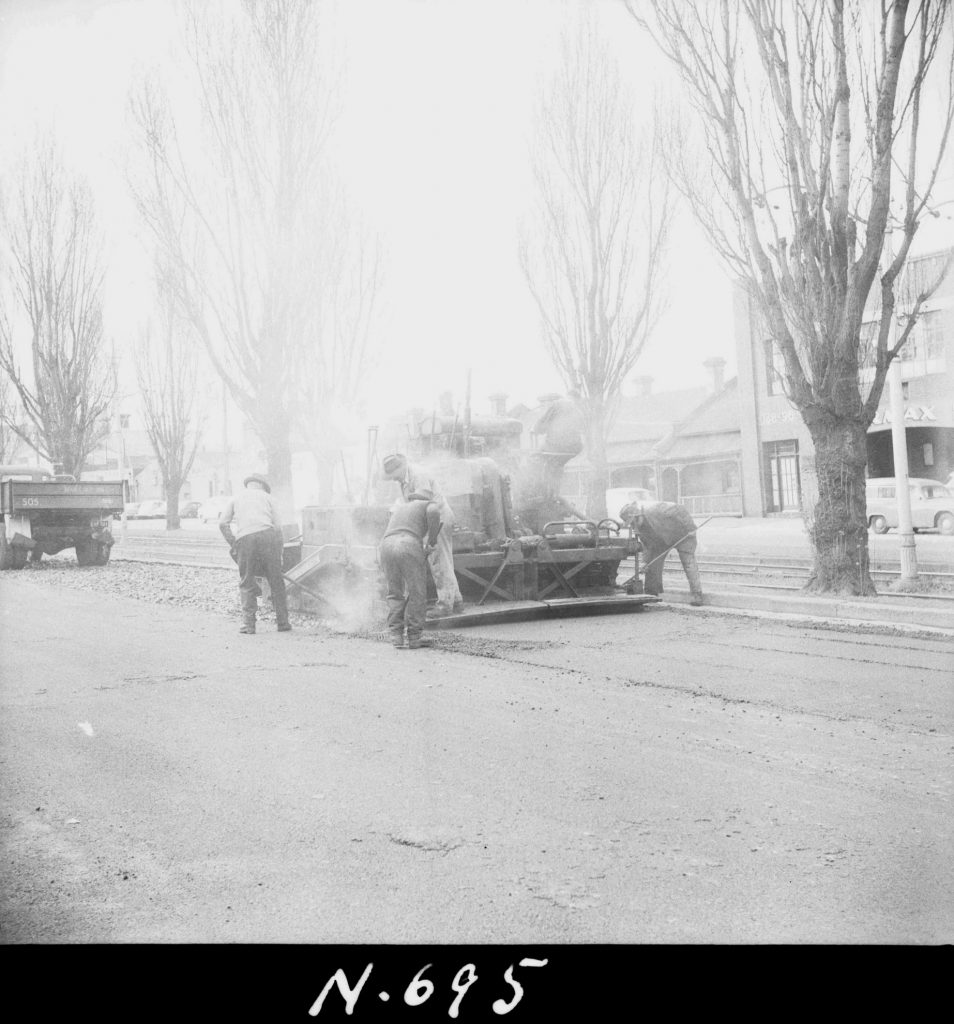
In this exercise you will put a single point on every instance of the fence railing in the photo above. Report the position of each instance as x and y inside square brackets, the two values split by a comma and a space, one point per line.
[713, 504]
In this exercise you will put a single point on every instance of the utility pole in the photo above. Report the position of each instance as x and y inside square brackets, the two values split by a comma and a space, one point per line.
[899, 444]
[467, 418]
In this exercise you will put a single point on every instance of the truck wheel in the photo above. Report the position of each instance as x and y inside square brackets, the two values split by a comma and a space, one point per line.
[878, 524]
[945, 523]
[11, 557]
[85, 552]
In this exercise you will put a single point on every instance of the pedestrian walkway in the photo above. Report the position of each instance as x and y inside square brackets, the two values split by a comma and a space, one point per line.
[901, 611]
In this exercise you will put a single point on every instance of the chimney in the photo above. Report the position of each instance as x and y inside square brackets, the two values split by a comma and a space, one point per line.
[716, 366]
[643, 386]
[498, 404]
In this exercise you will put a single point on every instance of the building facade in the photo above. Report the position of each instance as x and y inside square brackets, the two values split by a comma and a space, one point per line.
[777, 453]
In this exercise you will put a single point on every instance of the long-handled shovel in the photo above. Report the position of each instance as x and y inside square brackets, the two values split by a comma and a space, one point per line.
[663, 554]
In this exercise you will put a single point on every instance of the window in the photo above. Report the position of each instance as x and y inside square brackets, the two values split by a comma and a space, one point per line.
[774, 368]
[124, 421]
[930, 336]
[782, 479]
[868, 344]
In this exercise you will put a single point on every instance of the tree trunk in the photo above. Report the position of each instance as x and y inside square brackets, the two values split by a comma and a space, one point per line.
[275, 437]
[597, 477]
[837, 525]
[172, 489]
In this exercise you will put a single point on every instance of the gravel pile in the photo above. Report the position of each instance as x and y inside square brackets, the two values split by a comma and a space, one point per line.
[213, 590]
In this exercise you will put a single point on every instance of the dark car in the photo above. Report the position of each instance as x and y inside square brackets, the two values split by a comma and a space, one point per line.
[189, 509]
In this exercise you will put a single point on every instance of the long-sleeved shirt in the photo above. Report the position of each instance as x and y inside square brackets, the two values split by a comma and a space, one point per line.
[250, 512]
[417, 517]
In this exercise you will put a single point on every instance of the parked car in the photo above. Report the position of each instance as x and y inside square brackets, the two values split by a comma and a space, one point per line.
[131, 509]
[932, 504]
[210, 510]
[617, 497]
[152, 510]
[189, 509]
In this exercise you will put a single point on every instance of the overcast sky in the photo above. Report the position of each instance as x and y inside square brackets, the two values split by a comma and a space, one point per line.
[433, 143]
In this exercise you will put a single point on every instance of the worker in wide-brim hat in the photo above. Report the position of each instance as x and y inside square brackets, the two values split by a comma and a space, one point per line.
[260, 480]
[414, 479]
[256, 543]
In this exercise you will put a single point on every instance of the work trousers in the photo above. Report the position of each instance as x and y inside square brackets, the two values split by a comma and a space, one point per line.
[441, 562]
[654, 559]
[402, 559]
[260, 554]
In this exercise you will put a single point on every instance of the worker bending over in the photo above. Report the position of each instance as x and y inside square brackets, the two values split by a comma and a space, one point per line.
[410, 537]
[660, 527]
[414, 479]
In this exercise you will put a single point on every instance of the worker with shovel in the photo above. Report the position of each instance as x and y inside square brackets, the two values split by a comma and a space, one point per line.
[256, 545]
[661, 527]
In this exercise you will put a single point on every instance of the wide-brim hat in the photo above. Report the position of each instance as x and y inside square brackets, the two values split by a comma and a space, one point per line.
[390, 462]
[259, 479]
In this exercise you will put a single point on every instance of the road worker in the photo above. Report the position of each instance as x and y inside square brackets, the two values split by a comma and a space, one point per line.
[413, 479]
[256, 544]
[410, 538]
[661, 526]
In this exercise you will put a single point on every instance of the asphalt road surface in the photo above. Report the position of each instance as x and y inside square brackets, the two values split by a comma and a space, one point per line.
[676, 775]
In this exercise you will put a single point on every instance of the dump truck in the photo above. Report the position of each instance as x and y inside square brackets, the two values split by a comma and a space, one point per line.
[44, 514]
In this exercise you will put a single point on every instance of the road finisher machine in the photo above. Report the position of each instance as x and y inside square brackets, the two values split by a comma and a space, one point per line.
[43, 514]
[520, 551]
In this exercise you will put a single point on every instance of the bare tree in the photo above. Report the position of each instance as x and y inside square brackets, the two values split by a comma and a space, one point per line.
[811, 135]
[166, 370]
[593, 258]
[52, 347]
[337, 360]
[11, 412]
[237, 215]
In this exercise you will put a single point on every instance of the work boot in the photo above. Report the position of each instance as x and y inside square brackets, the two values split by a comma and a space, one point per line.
[696, 600]
[397, 637]
[247, 627]
[417, 642]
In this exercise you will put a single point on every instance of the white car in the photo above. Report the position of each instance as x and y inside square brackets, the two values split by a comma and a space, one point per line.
[211, 508]
[932, 504]
[154, 509]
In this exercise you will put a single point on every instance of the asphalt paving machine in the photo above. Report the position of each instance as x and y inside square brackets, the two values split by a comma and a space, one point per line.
[520, 550]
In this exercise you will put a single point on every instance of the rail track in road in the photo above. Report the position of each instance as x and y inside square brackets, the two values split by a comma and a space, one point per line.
[732, 569]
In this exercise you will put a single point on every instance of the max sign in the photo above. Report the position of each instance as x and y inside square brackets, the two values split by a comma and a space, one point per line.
[912, 412]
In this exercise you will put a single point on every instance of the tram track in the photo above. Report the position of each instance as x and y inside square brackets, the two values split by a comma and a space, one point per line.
[747, 571]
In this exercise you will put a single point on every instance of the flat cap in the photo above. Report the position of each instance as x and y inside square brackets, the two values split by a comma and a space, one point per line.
[390, 462]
